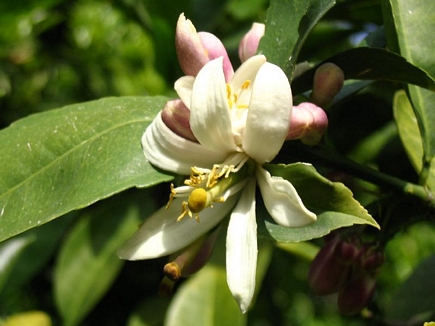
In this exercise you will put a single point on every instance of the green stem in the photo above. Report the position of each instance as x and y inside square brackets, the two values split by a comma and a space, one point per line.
[326, 157]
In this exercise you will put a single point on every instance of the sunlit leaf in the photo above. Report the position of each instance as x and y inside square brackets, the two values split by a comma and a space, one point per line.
[415, 38]
[410, 134]
[370, 64]
[288, 24]
[34, 318]
[331, 201]
[205, 300]
[87, 263]
[66, 159]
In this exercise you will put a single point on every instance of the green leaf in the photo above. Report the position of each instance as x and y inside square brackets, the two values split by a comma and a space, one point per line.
[288, 24]
[416, 297]
[10, 252]
[37, 254]
[410, 134]
[371, 64]
[151, 312]
[205, 300]
[331, 201]
[87, 263]
[58, 161]
[415, 38]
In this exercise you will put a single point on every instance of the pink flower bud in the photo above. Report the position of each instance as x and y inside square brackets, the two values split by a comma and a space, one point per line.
[349, 251]
[194, 49]
[372, 260]
[249, 44]
[327, 272]
[308, 123]
[176, 117]
[328, 81]
[356, 294]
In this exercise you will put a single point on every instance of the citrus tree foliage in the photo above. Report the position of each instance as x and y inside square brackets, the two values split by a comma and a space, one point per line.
[81, 81]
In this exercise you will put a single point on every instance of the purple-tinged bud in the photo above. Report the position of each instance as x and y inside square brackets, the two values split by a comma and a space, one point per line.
[356, 294]
[176, 117]
[372, 260]
[216, 49]
[328, 81]
[308, 123]
[349, 252]
[194, 49]
[327, 273]
[249, 44]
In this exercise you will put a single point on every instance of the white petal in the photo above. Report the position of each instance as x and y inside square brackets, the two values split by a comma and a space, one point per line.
[282, 201]
[242, 248]
[247, 71]
[209, 112]
[269, 113]
[168, 151]
[183, 86]
[161, 234]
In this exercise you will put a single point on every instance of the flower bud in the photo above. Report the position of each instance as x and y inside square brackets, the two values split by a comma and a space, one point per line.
[176, 117]
[249, 44]
[328, 81]
[308, 123]
[356, 294]
[372, 260]
[327, 272]
[194, 49]
[349, 251]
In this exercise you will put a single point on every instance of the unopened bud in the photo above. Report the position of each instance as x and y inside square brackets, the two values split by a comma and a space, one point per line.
[356, 294]
[328, 81]
[308, 123]
[349, 251]
[194, 49]
[372, 260]
[327, 273]
[176, 117]
[249, 44]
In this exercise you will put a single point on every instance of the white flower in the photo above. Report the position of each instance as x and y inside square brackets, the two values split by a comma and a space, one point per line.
[239, 127]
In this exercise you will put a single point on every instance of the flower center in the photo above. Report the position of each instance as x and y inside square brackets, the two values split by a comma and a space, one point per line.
[205, 187]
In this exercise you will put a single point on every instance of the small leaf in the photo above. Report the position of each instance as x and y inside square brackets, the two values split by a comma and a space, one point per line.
[370, 64]
[410, 134]
[61, 160]
[288, 24]
[151, 312]
[331, 201]
[87, 263]
[205, 300]
[416, 296]
[34, 318]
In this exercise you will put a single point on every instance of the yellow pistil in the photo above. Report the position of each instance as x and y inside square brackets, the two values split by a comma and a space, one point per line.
[197, 201]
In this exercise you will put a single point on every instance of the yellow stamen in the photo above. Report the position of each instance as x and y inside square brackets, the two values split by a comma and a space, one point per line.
[171, 196]
[246, 84]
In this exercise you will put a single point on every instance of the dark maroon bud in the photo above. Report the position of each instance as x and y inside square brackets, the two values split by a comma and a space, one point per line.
[327, 272]
[356, 294]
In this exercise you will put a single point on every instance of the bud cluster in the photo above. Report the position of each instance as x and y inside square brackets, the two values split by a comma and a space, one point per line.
[348, 267]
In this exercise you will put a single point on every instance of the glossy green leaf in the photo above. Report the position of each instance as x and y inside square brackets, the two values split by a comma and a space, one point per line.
[288, 24]
[410, 134]
[10, 252]
[36, 255]
[416, 297]
[61, 160]
[87, 263]
[331, 201]
[371, 64]
[205, 300]
[415, 32]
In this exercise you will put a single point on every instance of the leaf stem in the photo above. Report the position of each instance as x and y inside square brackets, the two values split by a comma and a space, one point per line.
[329, 158]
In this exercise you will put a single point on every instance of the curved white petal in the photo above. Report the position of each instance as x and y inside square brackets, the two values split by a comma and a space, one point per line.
[242, 248]
[168, 151]
[269, 113]
[209, 111]
[247, 71]
[282, 201]
[183, 86]
[161, 234]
